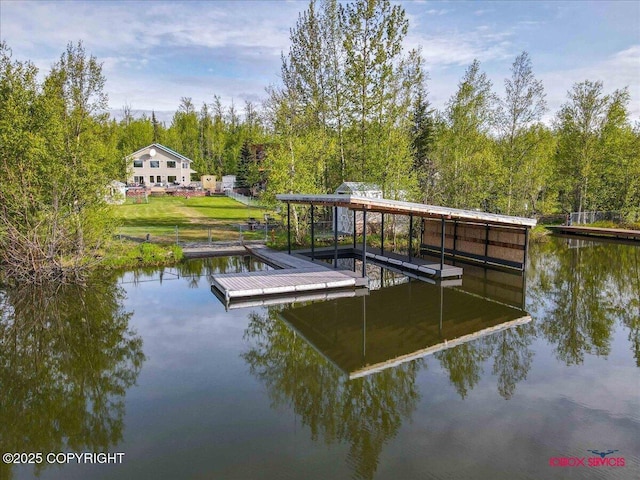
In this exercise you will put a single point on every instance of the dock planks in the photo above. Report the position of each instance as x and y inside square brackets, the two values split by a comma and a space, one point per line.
[296, 276]
[276, 282]
[597, 232]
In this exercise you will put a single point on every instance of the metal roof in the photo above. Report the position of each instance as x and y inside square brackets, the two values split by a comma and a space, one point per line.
[383, 205]
[358, 187]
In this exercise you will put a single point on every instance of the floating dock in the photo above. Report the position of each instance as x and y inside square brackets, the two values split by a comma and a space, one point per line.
[597, 232]
[402, 263]
[295, 276]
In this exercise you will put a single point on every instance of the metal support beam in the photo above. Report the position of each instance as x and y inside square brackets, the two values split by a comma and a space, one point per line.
[364, 243]
[382, 235]
[313, 235]
[354, 229]
[335, 236]
[526, 248]
[410, 234]
[486, 243]
[442, 246]
[288, 228]
[455, 237]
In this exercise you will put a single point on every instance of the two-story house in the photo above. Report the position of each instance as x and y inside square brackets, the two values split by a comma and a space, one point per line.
[157, 164]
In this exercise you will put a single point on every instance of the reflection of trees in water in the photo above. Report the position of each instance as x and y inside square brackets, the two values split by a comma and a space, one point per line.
[365, 412]
[67, 358]
[627, 300]
[511, 355]
[577, 294]
[194, 269]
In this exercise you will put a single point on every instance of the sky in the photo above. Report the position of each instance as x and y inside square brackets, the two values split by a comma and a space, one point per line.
[153, 53]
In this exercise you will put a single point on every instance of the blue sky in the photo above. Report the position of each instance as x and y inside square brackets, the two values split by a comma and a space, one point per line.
[154, 53]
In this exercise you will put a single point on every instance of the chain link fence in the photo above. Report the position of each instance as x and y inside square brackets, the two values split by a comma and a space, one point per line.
[249, 201]
[576, 218]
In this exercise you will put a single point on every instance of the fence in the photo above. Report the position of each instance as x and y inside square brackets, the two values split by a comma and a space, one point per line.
[249, 201]
[251, 230]
[592, 217]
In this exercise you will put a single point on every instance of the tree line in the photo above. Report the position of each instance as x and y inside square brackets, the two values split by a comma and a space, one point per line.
[352, 105]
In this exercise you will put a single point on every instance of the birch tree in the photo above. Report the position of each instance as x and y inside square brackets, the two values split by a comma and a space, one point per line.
[520, 110]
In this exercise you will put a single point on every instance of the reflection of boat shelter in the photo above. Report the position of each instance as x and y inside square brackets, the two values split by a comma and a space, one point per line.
[364, 335]
[486, 238]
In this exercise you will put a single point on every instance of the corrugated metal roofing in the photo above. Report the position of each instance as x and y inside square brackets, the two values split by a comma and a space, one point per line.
[356, 202]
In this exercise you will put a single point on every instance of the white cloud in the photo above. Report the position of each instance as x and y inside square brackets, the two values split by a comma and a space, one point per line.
[437, 12]
[457, 48]
[622, 69]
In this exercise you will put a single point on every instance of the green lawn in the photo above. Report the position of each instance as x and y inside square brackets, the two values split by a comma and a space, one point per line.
[193, 217]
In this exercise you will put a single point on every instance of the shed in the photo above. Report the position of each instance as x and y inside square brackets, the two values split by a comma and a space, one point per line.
[345, 216]
[228, 182]
[116, 192]
[208, 182]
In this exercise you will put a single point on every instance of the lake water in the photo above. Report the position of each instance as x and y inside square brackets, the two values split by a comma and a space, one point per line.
[502, 377]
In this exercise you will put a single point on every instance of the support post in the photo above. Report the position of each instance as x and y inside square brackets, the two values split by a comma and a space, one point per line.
[288, 228]
[526, 248]
[354, 230]
[486, 244]
[382, 235]
[410, 234]
[364, 243]
[442, 247]
[335, 236]
[455, 237]
[313, 236]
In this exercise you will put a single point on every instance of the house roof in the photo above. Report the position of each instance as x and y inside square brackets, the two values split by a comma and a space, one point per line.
[358, 187]
[162, 147]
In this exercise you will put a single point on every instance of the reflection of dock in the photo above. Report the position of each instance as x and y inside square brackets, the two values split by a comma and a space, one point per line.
[398, 324]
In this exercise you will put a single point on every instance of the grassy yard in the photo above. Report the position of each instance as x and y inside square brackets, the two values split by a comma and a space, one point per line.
[193, 217]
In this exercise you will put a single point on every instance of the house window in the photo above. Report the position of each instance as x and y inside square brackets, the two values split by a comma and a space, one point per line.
[155, 163]
[171, 179]
[158, 179]
[151, 179]
[138, 179]
[137, 163]
[171, 164]
[185, 164]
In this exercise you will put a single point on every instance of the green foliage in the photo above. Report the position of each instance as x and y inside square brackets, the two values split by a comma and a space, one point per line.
[596, 150]
[128, 255]
[56, 160]
[466, 157]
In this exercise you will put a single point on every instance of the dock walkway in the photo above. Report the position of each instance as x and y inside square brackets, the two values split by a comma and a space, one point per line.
[414, 263]
[400, 262]
[597, 232]
[295, 274]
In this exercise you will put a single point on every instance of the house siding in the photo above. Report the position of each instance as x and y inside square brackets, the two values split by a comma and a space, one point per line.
[163, 173]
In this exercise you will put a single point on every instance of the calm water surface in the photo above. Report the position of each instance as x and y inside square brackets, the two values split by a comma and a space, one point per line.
[494, 378]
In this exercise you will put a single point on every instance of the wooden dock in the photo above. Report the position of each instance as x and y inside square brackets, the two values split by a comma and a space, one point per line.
[414, 264]
[296, 275]
[398, 262]
[597, 232]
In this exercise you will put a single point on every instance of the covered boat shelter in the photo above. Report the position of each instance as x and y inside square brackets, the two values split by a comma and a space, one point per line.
[468, 235]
